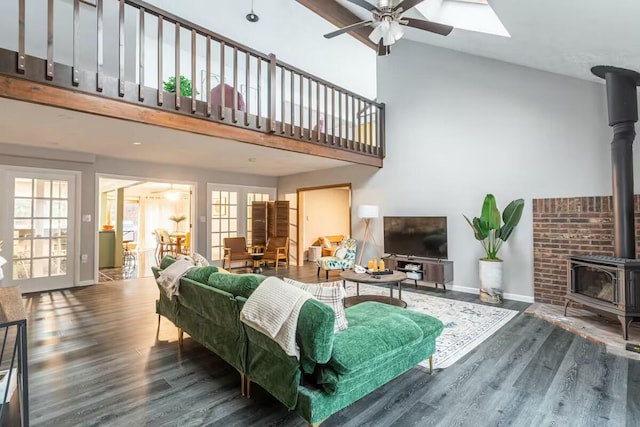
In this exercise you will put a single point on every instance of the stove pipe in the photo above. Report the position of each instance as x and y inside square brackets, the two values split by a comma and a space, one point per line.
[622, 101]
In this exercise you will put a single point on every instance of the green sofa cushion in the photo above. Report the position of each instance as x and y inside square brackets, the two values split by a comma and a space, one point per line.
[166, 261]
[201, 274]
[376, 330]
[236, 284]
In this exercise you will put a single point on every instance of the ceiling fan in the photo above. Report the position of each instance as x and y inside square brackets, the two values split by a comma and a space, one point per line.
[388, 23]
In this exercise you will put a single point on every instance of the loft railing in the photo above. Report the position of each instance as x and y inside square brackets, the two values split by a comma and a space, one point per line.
[138, 47]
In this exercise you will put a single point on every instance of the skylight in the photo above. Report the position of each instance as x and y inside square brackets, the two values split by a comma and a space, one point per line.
[471, 15]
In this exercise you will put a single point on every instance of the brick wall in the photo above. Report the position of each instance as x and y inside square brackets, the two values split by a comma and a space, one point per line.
[570, 226]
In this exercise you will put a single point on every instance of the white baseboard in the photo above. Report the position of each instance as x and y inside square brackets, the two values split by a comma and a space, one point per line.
[86, 282]
[506, 295]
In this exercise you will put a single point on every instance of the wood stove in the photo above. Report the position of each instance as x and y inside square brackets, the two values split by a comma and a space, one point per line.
[611, 285]
[607, 285]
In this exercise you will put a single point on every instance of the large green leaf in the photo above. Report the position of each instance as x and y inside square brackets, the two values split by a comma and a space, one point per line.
[490, 213]
[511, 217]
[477, 232]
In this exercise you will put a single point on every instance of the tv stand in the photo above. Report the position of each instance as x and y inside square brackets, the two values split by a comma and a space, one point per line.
[434, 270]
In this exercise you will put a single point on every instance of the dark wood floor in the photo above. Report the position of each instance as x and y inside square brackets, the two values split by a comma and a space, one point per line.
[94, 361]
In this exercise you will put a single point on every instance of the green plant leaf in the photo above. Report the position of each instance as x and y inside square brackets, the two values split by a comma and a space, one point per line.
[477, 232]
[511, 217]
[490, 213]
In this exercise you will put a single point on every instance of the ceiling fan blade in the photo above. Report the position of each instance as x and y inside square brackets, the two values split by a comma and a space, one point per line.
[382, 49]
[432, 27]
[348, 28]
[407, 4]
[364, 4]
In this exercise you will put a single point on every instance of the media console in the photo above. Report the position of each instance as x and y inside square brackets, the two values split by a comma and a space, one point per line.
[438, 271]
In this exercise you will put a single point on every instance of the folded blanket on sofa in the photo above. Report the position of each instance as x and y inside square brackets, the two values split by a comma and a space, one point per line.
[273, 309]
[169, 278]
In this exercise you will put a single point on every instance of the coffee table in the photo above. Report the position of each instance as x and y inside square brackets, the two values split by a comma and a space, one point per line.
[385, 279]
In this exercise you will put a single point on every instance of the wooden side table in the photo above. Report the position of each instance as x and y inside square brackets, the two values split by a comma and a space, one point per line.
[12, 314]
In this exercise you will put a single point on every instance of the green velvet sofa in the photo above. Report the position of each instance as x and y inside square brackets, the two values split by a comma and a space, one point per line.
[334, 370]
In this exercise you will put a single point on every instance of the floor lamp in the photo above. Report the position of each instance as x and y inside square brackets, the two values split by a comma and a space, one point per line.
[367, 213]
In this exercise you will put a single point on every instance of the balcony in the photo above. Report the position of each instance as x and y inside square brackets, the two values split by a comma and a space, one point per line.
[117, 58]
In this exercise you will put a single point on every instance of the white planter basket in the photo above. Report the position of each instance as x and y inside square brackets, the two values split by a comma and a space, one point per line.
[491, 281]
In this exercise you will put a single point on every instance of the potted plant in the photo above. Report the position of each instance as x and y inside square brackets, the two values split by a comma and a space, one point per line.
[185, 86]
[492, 231]
[178, 219]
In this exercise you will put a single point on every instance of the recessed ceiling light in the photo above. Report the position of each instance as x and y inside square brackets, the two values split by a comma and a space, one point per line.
[137, 143]
[252, 159]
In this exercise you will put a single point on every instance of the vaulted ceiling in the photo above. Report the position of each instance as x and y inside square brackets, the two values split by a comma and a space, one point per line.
[566, 37]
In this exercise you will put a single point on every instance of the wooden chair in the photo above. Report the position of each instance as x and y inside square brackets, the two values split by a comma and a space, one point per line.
[277, 250]
[164, 244]
[185, 248]
[235, 249]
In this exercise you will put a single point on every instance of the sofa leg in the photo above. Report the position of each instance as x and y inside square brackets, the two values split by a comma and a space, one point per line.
[243, 382]
[327, 275]
[430, 365]
[158, 328]
[316, 424]
[248, 387]
[180, 337]
[318, 271]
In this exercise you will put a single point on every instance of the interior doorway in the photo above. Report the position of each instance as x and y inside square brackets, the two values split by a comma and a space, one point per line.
[132, 216]
[322, 211]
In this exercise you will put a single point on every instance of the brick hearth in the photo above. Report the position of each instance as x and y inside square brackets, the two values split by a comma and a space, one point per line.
[570, 226]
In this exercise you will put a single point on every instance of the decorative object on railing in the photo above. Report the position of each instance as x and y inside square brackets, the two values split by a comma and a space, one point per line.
[185, 86]
[145, 48]
[388, 23]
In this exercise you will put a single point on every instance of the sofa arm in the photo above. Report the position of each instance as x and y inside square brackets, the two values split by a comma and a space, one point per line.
[315, 333]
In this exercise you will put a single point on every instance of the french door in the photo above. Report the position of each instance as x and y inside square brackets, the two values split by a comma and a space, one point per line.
[38, 232]
[230, 213]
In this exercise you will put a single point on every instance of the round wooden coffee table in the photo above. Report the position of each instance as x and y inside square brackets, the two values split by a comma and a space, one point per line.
[384, 279]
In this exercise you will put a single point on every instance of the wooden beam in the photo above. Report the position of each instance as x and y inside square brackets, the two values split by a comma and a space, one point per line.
[339, 16]
[25, 90]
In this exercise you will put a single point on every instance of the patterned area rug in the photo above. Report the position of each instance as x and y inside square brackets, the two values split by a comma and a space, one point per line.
[466, 324]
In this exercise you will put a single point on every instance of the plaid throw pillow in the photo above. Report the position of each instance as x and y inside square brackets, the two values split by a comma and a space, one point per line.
[329, 293]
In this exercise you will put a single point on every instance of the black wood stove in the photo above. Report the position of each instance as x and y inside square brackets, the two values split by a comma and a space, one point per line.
[611, 285]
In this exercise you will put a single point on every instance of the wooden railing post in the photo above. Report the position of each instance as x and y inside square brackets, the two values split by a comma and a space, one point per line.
[121, 49]
[49, 72]
[272, 93]
[21, 36]
[193, 71]
[141, 57]
[160, 60]
[382, 131]
[177, 64]
[100, 45]
[75, 70]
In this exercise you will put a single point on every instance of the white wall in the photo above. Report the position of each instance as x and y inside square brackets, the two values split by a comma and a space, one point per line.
[460, 126]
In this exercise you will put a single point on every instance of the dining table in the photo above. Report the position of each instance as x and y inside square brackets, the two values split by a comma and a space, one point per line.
[179, 238]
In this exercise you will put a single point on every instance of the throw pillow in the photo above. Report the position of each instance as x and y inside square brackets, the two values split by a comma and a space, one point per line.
[200, 261]
[201, 274]
[329, 293]
[236, 284]
[167, 260]
[222, 270]
[341, 253]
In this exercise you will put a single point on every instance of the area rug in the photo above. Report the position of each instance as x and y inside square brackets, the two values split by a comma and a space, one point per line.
[466, 324]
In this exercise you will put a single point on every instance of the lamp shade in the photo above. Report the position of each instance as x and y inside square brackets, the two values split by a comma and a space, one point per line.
[368, 211]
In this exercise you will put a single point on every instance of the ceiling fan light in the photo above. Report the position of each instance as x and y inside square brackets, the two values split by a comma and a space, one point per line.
[388, 39]
[396, 30]
[376, 34]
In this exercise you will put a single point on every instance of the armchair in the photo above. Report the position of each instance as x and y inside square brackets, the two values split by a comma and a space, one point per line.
[337, 263]
[235, 249]
[277, 250]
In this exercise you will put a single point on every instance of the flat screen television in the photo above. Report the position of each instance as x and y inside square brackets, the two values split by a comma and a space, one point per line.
[419, 236]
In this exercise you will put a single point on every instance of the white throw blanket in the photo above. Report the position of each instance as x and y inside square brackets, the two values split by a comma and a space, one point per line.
[273, 309]
[169, 278]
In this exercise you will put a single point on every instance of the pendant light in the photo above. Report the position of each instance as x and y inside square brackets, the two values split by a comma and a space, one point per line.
[251, 16]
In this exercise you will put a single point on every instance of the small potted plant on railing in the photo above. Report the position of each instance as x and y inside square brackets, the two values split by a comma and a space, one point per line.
[492, 233]
[185, 86]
